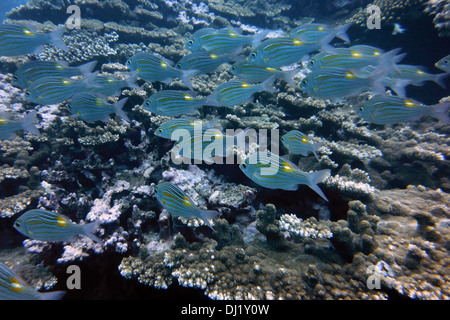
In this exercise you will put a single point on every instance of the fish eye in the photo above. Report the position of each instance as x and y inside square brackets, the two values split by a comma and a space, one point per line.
[160, 130]
[312, 62]
[190, 42]
[17, 224]
[233, 67]
[129, 61]
[253, 55]
[178, 66]
[244, 165]
[282, 138]
[446, 61]
[147, 103]
[15, 77]
[304, 83]
[361, 109]
[27, 93]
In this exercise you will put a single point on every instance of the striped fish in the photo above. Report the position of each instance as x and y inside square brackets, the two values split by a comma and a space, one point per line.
[204, 62]
[90, 108]
[314, 32]
[394, 109]
[256, 73]
[221, 41]
[416, 75]
[232, 93]
[16, 40]
[298, 143]
[9, 127]
[443, 64]
[354, 57]
[336, 83]
[44, 225]
[273, 172]
[13, 287]
[282, 51]
[166, 129]
[54, 90]
[174, 200]
[151, 67]
[172, 103]
[210, 147]
[110, 86]
[34, 70]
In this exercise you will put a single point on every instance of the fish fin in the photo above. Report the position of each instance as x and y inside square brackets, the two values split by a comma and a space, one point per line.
[87, 68]
[267, 85]
[212, 100]
[206, 215]
[52, 295]
[131, 81]
[389, 60]
[186, 76]
[317, 177]
[56, 38]
[439, 79]
[28, 123]
[259, 37]
[90, 228]
[399, 87]
[89, 80]
[288, 76]
[314, 148]
[440, 111]
[324, 42]
[342, 32]
[118, 109]
[214, 123]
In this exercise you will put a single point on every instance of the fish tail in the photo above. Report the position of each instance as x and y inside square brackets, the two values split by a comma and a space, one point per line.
[186, 77]
[212, 100]
[56, 39]
[28, 123]
[206, 215]
[324, 42]
[214, 123]
[259, 37]
[87, 68]
[318, 177]
[90, 228]
[267, 85]
[342, 32]
[439, 79]
[131, 81]
[399, 87]
[89, 81]
[118, 109]
[314, 147]
[440, 111]
[53, 295]
[288, 76]
[388, 61]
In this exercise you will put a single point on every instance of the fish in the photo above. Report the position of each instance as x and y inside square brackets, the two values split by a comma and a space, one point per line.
[91, 107]
[416, 75]
[166, 129]
[202, 61]
[235, 92]
[43, 225]
[256, 73]
[54, 90]
[13, 287]
[17, 40]
[174, 200]
[222, 41]
[398, 29]
[9, 127]
[281, 51]
[298, 143]
[274, 172]
[337, 83]
[34, 70]
[173, 103]
[210, 146]
[151, 67]
[314, 32]
[443, 64]
[111, 86]
[393, 109]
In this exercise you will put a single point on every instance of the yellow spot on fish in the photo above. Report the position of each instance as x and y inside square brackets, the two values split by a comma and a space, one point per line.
[349, 75]
[65, 82]
[271, 69]
[98, 102]
[265, 59]
[186, 201]
[316, 89]
[286, 167]
[233, 34]
[188, 97]
[244, 85]
[15, 285]
[409, 103]
[78, 113]
[28, 32]
[297, 42]
[138, 70]
[320, 28]
[60, 222]
[304, 140]
[3, 121]
[376, 53]
[420, 72]
[163, 64]
[59, 67]
[213, 56]
[356, 54]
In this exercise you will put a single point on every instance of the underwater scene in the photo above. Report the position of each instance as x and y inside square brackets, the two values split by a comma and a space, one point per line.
[224, 150]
